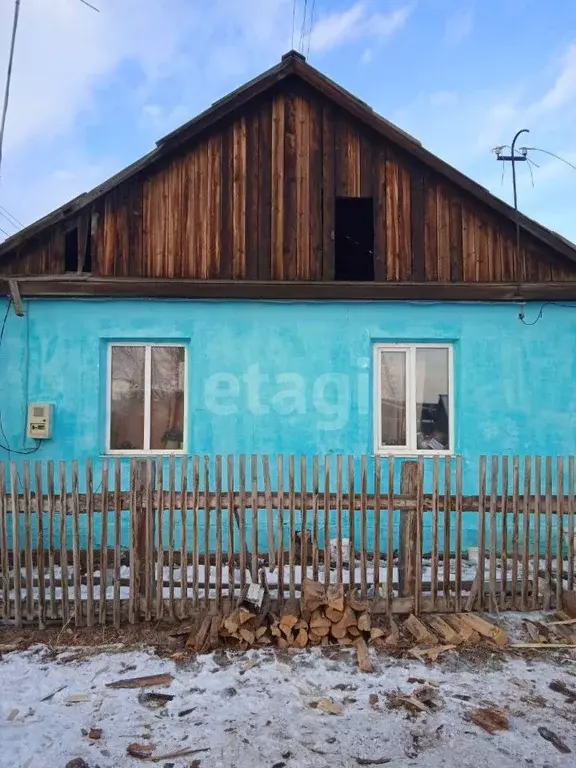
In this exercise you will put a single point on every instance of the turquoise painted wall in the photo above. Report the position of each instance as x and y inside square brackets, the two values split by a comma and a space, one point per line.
[514, 384]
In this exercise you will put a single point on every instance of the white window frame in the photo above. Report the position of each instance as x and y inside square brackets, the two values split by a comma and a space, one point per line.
[146, 451]
[410, 449]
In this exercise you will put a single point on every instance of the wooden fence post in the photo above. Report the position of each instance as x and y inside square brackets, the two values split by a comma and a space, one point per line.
[408, 548]
[142, 498]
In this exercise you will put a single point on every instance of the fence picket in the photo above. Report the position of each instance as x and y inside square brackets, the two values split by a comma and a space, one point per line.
[493, 546]
[548, 554]
[458, 566]
[447, 526]
[149, 533]
[270, 513]
[377, 522]
[327, 558]
[89, 545]
[515, 527]
[218, 553]
[134, 562]
[51, 542]
[76, 545]
[482, 532]
[40, 559]
[419, 553]
[103, 543]
[536, 558]
[159, 612]
[232, 514]
[390, 536]
[116, 616]
[195, 530]
[315, 487]
[28, 564]
[4, 545]
[280, 529]
[351, 523]
[242, 515]
[184, 537]
[206, 531]
[16, 546]
[254, 506]
[364, 527]
[304, 525]
[292, 523]
[571, 523]
[504, 544]
[559, 532]
[171, 516]
[434, 562]
[526, 531]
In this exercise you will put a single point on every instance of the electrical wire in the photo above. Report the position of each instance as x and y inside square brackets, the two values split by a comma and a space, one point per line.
[4, 232]
[293, 22]
[9, 76]
[541, 311]
[10, 217]
[310, 27]
[90, 6]
[552, 154]
[303, 28]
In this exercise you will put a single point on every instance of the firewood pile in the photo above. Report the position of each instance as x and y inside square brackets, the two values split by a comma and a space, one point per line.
[327, 616]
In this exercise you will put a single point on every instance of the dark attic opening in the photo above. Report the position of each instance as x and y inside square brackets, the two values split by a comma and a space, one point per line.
[354, 239]
[71, 250]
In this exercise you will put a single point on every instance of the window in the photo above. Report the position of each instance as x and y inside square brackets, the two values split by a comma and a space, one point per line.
[354, 239]
[413, 398]
[146, 398]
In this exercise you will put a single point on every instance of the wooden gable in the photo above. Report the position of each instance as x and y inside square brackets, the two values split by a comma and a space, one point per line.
[251, 196]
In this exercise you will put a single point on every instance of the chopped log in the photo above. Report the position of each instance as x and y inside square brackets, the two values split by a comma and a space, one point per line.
[325, 642]
[290, 615]
[282, 643]
[364, 663]
[319, 619]
[485, 629]
[376, 632]
[214, 630]
[419, 631]
[431, 654]
[364, 622]
[444, 630]
[275, 630]
[357, 604]
[334, 615]
[314, 638]
[321, 631]
[232, 623]
[393, 636]
[313, 595]
[140, 750]
[491, 719]
[202, 636]
[301, 624]
[354, 631]
[301, 639]
[466, 632]
[247, 636]
[335, 597]
[345, 641]
[265, 640]
[244, 615]
[148, 681]
[569, 603]
[260, 632]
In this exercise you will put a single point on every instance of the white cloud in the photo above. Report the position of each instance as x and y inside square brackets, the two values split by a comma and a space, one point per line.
[563, 89]
[355, 23]
[458, 26]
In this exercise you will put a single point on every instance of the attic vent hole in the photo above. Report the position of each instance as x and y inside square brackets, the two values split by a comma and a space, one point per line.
[71, 251]
[354, 239]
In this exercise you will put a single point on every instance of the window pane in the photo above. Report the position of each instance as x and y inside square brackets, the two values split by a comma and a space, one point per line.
[167, 399]
[393, 397]
[432, 406]
[127, 398]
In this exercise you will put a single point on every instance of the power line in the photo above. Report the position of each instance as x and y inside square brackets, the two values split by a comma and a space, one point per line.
[4, 232]
[303, 28]
[10, 217]
[311, 25]
[9, 76]
[293, 21]
[552, 154]
[90, 6]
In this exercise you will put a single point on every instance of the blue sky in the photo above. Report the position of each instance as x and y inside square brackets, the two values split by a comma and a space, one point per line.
[93, 91]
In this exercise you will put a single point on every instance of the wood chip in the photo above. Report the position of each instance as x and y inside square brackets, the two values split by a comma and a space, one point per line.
[140, 750]
[328, 705]
[485, 628]
[550, 736]
[430, 654]
[364, 622]
[419, 631]
[148, 681]
[178, 753]
[444, 631]
[491, 719]
[356, 603]
[364, 663]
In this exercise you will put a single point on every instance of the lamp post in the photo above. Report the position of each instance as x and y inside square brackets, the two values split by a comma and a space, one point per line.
[514, 158]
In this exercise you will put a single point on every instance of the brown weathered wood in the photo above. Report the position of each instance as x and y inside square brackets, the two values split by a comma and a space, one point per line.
[447, 528]
[536, 558]
[315, 487]
[51, 524]
[29, 566]
[270, 513]
[117, 539]
[5, 567]
[17, 563]
[304, 521]
[571, 512]
[76, 546]
[548, 554]
[363, 527]
[242, 514]
[89, 544]
[277, 230]
[159, 607]
[408, 530]
[292, 527]
[148, 513]
[264, 191]
[419, 537]
[171, 513]
[280, 480]
[493, 549]
[207, 530]
[526, 532]
[327, 559]
[481, 532]
[390, 535]
[328, 201]
[417, 223]
[104, 507]
[40, 559]
[184, 538]
[254, 505]
[504, 542]
[196, 530]
[377, 523]
[559, 533]
[458, 545]
[515, 527]
[434, 563]
[133, 606]
[218, 552]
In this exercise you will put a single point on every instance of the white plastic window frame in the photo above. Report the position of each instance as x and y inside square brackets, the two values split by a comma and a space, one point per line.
[411, 448]
[146, 451]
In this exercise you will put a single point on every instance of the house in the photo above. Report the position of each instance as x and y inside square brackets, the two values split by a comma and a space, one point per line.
[288, 273]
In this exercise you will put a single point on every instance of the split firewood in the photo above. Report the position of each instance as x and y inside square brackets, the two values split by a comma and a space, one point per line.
[325, 642]
[364, 663]
[376, 632]
[569, 603]
[484, 628]
[301, 639]
[282, 643]
[491, 719]
[466, 632]
[321, 631]
[345, 641]
[202, 638]
[333, 615]
[260, 632]
[353, 631]
[147, 681]
[443, 630]
[140, 750]
[335, 597]
[265, 640]
[313, 595]
[300, 624]
[290, 615]
[275, 629]
[364, 622]
[314, 638]
[430, 654]
[319, 620]
[214, 631]
[411, 703]
[348, 620]
[356, 603]
[393, 635]
[419, 631]
[247, 636]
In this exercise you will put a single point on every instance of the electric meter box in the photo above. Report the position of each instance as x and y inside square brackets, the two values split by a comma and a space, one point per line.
[39, 421]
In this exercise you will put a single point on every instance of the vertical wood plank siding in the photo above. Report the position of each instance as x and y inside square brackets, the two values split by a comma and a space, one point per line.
[254, 198]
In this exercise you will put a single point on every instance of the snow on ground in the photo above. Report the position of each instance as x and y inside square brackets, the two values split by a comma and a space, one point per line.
[254, 710]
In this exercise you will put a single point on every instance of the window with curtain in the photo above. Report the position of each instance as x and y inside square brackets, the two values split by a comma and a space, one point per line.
[413, 389]
[146, 400]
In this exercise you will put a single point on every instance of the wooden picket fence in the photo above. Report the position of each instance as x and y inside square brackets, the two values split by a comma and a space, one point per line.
[164, 538]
